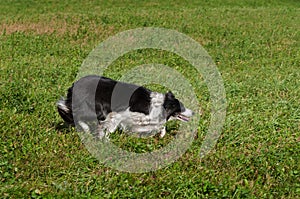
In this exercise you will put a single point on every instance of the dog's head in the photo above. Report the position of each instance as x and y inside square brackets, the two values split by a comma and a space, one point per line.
[175, 109]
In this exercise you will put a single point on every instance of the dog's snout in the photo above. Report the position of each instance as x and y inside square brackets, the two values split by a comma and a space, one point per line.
[188, 112]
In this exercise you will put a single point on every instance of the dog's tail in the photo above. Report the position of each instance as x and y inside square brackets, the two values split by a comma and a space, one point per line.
[64, 107]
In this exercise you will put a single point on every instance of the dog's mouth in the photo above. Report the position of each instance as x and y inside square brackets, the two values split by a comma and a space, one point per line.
[184, 116]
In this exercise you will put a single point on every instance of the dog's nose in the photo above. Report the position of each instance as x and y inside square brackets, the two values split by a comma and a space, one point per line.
[192, 113]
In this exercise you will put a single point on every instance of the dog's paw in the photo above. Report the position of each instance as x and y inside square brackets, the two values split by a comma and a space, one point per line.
[162, 132]
[100, 134]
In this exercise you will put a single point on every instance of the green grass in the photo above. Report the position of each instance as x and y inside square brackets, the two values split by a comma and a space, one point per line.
[255, 45]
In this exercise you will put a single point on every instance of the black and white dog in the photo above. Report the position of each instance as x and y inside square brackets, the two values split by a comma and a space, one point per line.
[117, 104]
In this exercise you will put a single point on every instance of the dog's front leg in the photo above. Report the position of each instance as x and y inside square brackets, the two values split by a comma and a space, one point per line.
[162, 132]
[101, 130]
[108, 126]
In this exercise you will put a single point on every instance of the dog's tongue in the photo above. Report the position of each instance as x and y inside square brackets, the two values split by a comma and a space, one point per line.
[183, 118]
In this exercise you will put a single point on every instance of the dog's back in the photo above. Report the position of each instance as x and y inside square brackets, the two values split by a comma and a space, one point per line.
[92, 95]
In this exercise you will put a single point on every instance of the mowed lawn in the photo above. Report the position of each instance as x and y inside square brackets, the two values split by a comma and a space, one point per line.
[256, 47]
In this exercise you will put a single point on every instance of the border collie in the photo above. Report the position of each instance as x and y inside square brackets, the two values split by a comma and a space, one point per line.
[115, 104]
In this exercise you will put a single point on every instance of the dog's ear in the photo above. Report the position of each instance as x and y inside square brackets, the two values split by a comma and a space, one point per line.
[170, 95]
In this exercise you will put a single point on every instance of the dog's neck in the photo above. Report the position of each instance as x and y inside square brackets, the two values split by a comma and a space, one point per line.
[156, 106]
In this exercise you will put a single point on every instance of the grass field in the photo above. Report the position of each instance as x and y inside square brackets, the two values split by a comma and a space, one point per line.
[255, 45]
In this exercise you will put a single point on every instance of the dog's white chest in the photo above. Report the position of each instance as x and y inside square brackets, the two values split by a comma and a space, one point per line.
[136, 122]
[141, 123]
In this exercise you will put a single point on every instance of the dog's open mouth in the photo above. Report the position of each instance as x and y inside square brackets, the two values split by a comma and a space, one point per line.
[182, 117]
